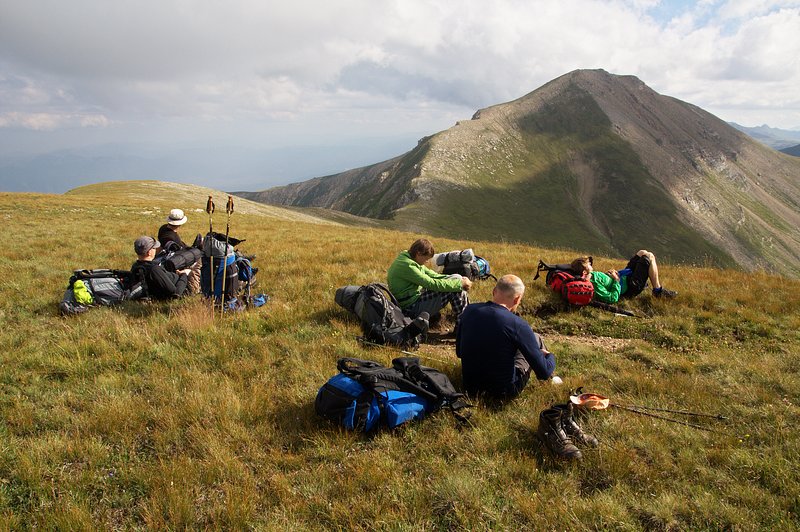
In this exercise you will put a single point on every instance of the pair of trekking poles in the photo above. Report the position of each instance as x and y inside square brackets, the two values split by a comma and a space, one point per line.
[210, 207]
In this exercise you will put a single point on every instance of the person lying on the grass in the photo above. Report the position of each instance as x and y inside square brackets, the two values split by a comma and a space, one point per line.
[160, 283]
[419, 289]
[627, 283]
[497, 348]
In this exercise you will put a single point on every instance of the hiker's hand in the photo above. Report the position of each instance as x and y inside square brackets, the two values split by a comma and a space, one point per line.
[466, 284]
[614, 274]
[187, 271]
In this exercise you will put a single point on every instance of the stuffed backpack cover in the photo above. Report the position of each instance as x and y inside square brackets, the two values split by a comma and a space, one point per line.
[561, 279]
[382, 319]
[365, 394]
[463, 262]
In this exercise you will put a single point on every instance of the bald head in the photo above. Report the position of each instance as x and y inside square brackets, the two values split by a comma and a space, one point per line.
[508, 291]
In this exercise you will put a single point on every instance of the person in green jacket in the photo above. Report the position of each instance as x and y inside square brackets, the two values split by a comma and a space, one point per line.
[419, 289]
[629, 282]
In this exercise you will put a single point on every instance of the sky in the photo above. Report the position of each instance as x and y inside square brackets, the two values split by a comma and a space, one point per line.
[245, 94]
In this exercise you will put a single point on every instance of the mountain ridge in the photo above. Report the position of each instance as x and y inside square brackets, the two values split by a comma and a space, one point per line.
[590, 160]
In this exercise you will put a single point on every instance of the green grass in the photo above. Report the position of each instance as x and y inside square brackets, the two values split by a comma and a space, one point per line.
[158, 416]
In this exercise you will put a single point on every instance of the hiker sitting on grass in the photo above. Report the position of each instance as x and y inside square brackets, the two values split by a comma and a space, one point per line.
[171, 240]
[419, 289]
[497, 348]
[628, 283]
[160, 283]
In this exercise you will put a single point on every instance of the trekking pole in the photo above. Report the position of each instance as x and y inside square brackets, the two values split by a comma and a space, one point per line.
[229, 210]
[612, 308]
[680, 422]
[683, 412]
[210, 211]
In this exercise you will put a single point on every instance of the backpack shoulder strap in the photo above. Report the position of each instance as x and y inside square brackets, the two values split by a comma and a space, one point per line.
[385, 289]
[423, 377]
[374, 376]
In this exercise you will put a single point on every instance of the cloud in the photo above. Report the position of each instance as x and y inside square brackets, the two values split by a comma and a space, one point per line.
[51, 121]
[354, 60]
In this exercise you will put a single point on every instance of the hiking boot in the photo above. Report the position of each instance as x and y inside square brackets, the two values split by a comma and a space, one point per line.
[665, 293]
[418, 326]
[572, 428]
[552, 435]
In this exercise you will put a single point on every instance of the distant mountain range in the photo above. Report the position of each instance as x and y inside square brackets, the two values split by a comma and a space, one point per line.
[590, 161]
[792, 150]
[771, 136]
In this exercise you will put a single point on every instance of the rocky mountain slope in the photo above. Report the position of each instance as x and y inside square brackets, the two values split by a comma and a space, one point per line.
[589, 161]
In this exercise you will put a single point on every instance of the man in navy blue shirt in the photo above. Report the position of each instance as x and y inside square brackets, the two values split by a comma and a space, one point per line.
[497, 348]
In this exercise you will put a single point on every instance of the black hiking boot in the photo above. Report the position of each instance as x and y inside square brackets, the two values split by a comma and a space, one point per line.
[665, 293]
[572, 428]
[552, 434]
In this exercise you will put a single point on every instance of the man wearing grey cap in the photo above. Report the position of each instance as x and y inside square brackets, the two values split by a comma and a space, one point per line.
[160, 283]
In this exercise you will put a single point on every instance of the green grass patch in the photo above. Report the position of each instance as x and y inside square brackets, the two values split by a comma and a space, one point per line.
[160, 416]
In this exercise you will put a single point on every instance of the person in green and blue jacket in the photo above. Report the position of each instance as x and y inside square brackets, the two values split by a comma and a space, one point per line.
[613, 285]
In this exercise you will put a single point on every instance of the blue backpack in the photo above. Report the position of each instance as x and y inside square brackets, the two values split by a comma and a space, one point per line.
[365, 394]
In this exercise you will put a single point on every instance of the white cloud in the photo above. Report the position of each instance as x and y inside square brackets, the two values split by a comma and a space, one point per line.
[51, 121]
[744, 9]
[247, 60]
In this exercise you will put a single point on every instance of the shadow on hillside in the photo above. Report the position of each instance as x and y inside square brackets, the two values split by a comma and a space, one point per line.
[323, 317]
[529, 441]
[134, 309]
[300, 427]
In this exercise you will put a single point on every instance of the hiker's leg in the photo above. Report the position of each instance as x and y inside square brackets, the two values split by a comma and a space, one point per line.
[429, 301]
[193, 284]
[458, 301]
[653, 270]
[639, 267]
[522, 374]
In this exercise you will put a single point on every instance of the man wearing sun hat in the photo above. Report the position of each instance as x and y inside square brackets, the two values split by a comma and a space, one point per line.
[169, 231]
[170, 240]
[160, 283]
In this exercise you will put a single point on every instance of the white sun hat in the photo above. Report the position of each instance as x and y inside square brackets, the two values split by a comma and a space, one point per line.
[176, 217]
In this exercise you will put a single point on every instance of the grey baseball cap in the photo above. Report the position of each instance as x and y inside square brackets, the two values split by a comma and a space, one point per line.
[143, 244]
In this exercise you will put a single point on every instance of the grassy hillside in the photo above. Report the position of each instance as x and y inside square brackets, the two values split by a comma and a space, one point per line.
[159, 416]
[539, 196]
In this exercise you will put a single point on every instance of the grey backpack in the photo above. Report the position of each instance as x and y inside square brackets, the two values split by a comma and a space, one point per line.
[382, 319]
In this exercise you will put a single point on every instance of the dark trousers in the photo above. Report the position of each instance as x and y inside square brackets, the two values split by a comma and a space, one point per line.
[640, 274]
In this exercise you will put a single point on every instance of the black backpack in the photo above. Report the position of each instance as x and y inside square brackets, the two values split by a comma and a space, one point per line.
[366, 394]
[107, 287]
[181, 259]
[382, 319]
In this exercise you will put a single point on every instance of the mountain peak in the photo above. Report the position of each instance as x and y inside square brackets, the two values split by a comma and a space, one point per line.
[592, 161]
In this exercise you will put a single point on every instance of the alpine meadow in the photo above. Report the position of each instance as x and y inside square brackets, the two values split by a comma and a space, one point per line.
[165, 416]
